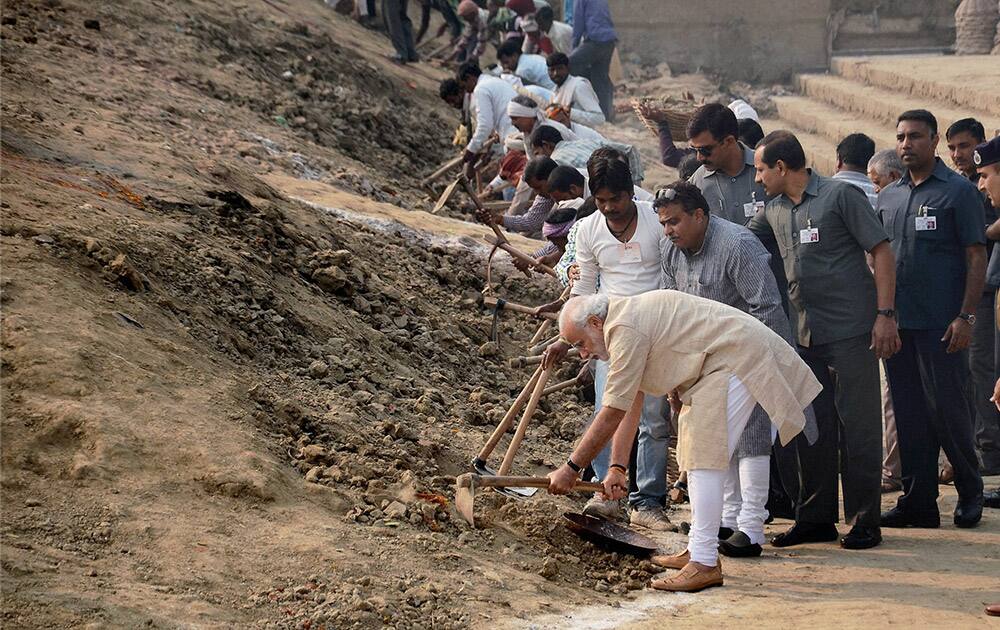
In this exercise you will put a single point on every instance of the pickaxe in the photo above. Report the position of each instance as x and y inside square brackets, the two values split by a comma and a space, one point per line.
[465, 489]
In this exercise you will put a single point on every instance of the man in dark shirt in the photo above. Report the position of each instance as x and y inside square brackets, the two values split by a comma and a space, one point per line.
[843, 319]
[963, 136]
[935, 218]
[987, 160]
[594, 40]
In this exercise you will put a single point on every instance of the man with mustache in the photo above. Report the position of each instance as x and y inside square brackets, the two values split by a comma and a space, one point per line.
[936, 220]
[707, 256]
[844, 321]
[963, 136]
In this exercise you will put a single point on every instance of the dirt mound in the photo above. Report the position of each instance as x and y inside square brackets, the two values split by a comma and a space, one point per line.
[224, 407]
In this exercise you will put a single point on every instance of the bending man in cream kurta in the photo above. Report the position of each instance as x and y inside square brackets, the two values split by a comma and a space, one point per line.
[720, 361]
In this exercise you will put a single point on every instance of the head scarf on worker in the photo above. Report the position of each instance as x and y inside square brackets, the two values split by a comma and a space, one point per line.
[467, 9]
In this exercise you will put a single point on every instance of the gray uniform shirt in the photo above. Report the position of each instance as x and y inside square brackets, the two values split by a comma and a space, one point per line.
[731, 267]
[729, 195]
[830, 288]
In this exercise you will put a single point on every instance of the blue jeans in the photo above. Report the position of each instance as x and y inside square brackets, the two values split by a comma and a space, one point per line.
[650, 479]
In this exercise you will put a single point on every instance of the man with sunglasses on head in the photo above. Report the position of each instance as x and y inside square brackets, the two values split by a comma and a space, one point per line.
[705, 255]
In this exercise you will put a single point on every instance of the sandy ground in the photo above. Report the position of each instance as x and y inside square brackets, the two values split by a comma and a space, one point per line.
[241, 367]
[922, 578]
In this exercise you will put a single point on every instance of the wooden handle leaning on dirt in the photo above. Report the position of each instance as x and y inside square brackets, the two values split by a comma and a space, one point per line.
[502, 243]
[540, 333]
[444, 168]
[497, 481]
[508, 418]
[492, 302]
[537, 349]
[517, 362]
[558, 387]
[522, 426]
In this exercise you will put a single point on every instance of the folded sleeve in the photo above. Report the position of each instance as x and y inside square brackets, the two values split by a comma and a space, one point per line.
[628, 350]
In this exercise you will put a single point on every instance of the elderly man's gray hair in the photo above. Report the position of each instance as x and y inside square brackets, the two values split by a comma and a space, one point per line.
[886, 162]
[579, 308]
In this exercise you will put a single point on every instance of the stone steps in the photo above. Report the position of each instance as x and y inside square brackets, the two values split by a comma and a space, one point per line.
[881, 104]
[867, 94]
[969, 82]
[831, 123]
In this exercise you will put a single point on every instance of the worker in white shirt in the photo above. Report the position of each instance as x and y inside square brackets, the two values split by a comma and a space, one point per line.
[488, 101]
[573, 92]
[620, 244]
[531, 68]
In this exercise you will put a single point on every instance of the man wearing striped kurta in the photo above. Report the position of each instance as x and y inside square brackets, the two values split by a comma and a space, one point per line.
[708, 256]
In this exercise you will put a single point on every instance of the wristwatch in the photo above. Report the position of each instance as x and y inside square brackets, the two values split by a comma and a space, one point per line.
[969, 317]
[573, 466]
[888, 312]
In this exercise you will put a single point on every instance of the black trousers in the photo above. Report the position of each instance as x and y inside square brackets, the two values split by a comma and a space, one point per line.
[397, 22]
[849, 419]
[982, 363]
[931, 392]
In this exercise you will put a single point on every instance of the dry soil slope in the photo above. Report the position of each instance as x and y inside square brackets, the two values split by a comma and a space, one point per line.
[184, 347]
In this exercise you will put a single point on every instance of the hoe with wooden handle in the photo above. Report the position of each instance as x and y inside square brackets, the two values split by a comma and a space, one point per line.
[465, 489]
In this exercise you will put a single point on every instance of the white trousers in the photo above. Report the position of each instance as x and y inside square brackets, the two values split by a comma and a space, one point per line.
[706, 486]
[745, 496]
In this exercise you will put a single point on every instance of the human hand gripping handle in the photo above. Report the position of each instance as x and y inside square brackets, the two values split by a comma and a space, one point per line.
[562, 480]
[554, 354]
[615, 484]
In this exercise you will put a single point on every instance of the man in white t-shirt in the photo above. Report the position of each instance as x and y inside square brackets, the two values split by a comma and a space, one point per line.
[620, 244]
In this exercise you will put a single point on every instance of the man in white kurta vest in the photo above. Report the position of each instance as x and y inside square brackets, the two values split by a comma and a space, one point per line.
[719, 362]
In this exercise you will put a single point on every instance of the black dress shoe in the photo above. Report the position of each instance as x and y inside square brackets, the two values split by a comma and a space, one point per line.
[991, 499]
[739, 546]
[806, 533]
[968, 513]
[899, 518]
[861, 537]
[725, 533]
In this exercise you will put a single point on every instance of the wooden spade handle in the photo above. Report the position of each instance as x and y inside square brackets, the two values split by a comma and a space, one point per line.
[492, 301]
[517, 362]
[558, 387]
[508, 418]
[522, 426]
[490, 481]
[444, 168]
[502, 243]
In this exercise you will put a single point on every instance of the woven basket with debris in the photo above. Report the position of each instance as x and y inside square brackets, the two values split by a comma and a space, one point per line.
[676, 111]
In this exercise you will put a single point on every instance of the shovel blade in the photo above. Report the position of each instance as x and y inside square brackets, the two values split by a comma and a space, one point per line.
[465, 494]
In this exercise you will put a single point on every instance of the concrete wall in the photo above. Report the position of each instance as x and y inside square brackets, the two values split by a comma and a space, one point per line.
[749, 40]
[888, 25]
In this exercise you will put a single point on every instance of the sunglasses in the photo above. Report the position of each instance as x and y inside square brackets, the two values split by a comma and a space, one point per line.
[705, 151]
[666, 194]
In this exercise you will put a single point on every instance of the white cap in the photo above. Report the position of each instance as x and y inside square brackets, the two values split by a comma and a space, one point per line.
[742, 109]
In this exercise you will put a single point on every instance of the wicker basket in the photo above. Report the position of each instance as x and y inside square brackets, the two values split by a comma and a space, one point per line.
[975, 26]
[677, 113]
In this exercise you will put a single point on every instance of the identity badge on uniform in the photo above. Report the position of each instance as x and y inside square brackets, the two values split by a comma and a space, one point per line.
[925, 224]
[809, 235]
[629, 253]
[751, 208]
